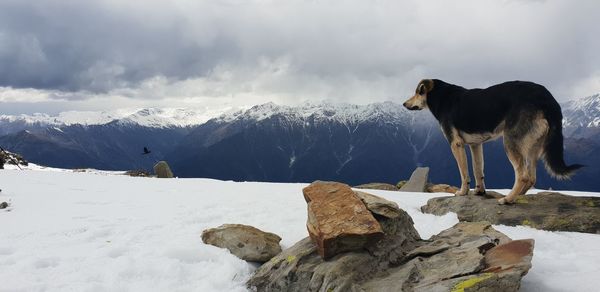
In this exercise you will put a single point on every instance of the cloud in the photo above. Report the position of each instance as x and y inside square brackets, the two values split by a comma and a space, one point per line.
[258, 50]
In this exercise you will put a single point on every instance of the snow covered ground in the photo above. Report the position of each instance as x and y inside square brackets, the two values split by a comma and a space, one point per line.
[98, 231]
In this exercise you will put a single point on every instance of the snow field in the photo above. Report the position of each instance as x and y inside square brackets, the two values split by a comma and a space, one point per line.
[99, 231]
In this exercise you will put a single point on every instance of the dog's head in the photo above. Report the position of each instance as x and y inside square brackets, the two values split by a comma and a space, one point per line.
[419, 100]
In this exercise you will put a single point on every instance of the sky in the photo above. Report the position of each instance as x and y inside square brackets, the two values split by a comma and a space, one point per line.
[108, 54]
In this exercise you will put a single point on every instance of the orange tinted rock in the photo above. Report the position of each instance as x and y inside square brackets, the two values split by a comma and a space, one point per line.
[338, 221]
[511, 255]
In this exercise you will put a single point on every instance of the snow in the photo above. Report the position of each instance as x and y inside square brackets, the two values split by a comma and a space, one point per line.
[149, 117]
[582, 112]
[305, 113]
[99, 231]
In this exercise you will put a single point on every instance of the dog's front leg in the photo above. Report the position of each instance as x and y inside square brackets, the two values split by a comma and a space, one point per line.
[458, 150]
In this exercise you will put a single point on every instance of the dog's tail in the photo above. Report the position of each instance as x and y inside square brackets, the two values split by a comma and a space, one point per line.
[553, 147]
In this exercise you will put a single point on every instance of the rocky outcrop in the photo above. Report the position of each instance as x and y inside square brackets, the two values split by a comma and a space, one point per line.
[466, 256]
[545, 210]
[417, 181]
[338, 221]
[7, 157]
[162, 170]
[378, 186]
[245, 242]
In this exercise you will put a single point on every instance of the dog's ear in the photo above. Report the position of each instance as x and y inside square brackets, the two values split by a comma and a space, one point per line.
[425, 86]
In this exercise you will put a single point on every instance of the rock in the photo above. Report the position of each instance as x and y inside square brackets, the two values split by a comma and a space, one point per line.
[338, 221]
[162, 170]
[401, 183]
[378, 205]
[245, 242]
[138, 173]
[455, 259]
[3, 205]
[441, 188]
[417, 181]
[545, 210]
[377, 186]
[11, 158]
[301, 268]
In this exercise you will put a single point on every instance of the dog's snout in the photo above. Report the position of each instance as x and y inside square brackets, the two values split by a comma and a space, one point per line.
[405, 105]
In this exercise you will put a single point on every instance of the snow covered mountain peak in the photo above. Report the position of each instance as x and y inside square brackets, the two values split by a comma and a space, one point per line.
[323, 111]
[583, 112]
[148, 117]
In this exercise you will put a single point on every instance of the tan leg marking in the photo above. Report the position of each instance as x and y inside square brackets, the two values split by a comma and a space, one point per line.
[477, 156]
[458, 150]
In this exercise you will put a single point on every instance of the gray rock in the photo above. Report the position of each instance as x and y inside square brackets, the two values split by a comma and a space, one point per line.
[453, 260]
[546, 210]
[162, 170]
[3, 205]
[378, 186]
[417, 181]
[245, 242]
[378, 205]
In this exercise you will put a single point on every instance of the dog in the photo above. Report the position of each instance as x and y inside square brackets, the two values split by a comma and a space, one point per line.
[524, 113]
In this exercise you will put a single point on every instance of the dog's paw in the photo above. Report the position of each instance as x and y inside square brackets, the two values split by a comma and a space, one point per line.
[461, 193]
[504, 201]
[479, 192]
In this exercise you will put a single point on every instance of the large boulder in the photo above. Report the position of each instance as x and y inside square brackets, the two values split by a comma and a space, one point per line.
[466, 256]
[417, 181]
[545, 210]
[162, 170]
[338, 221]
[245, 242]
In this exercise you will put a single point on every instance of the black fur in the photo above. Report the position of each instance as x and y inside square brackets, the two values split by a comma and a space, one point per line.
[516, 102]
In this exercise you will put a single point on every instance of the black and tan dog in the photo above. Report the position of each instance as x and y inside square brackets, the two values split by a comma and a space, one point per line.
[524, 113]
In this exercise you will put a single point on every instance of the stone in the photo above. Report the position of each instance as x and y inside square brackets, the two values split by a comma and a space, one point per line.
[3, 205]
[441, 188]
[301, 268]
[546, 210]
[378, 205]
[246, 242]
[162, 170]
[465, 256]
[377, 186]
[417, 181]
[338, 221]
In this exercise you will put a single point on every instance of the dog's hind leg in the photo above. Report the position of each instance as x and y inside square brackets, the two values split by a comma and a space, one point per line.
[518, 161]
[533, 155]
[458, 150]
[477, 157]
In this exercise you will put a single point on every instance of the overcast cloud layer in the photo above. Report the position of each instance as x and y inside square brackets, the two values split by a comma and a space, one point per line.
[94, 54]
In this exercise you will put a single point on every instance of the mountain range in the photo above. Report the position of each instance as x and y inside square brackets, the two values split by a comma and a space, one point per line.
[355, 144]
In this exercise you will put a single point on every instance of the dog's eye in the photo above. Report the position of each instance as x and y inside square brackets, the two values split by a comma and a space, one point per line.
[421, 89]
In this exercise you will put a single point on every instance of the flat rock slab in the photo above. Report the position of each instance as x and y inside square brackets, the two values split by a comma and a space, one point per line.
[246, 242]
[378, 205]
[378, 186]
[338, 221]
[417, 181]
[546, 210]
